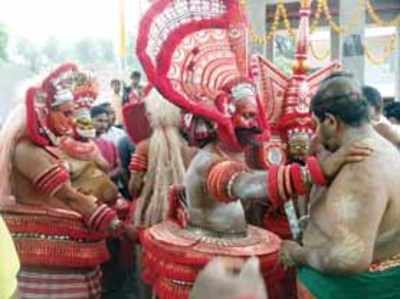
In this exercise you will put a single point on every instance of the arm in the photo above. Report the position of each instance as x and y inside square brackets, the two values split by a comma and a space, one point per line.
[355, 205]
[136, 183]
[251, 185]
[389, 131]
[138, 168]
[49, 177]
[101, 162]
[77, 201]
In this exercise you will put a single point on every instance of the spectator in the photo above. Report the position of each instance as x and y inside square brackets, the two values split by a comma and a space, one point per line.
[116, 101]
[389, 130]
[135, 89]
[375, 102]
[113, 133]
[392, 112]
[108, 149]
[125, 148]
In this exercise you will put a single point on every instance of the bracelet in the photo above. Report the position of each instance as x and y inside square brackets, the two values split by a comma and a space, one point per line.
[273, 189]
[220, 180]
[316, 172]
[288, 182]
[297, 179]
[281, 183]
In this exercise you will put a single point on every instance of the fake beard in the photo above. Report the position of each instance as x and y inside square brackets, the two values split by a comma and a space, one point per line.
[86, 133]
[247, 136]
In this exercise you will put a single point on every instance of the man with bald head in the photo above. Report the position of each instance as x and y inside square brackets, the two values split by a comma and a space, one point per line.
[351, 246]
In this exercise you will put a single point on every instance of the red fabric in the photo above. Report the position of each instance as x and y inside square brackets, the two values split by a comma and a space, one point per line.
[34, 126]
[53, 238]
[273, 188]
[136, 121]
[71, 284]
[278, 224]
[108, 151]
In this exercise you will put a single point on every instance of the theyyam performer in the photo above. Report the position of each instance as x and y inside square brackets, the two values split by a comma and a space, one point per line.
[195, 54]
[58, 231]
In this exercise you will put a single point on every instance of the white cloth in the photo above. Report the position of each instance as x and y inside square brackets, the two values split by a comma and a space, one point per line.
[114, 135]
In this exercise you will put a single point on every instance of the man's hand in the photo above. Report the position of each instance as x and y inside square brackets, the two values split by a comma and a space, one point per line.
[351, 153]
[291, 254]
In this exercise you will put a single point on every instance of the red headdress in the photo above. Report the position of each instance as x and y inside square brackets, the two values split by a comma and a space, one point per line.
[191, 50]
[286, 100]
[86, 91]
[55, 90]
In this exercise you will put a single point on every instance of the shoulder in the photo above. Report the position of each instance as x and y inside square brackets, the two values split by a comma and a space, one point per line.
[26, 148]
[204, 159]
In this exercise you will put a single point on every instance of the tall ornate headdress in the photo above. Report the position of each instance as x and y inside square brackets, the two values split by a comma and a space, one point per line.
[191, 50]
[56, 89]
[286, 100]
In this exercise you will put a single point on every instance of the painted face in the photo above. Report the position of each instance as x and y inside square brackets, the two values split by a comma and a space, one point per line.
[61, 119]
[326, 132]
[245, 121]
[84, 128]
[299, 146]
[100, 123]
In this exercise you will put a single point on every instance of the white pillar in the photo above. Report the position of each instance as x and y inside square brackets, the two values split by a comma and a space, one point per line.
[257, 15]
[351, 49]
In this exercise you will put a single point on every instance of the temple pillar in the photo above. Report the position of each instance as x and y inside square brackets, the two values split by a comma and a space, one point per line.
[335, 45]
[257, 15]
[352, 40]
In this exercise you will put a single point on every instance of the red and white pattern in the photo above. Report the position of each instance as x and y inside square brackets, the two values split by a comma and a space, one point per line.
[203, 46]
[71, 284]
[52, 179]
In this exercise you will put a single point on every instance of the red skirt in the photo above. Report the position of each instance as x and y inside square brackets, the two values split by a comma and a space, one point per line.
[173, 257]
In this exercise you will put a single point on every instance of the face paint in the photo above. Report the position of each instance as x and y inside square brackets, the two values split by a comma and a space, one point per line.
[61, 119]
[86, 133]
[245, 121]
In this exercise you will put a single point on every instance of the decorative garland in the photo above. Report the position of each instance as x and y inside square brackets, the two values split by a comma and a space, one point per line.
[323, 9]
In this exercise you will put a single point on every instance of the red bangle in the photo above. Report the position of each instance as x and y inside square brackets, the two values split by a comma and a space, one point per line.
[281, 183]
[138, 163]
[273, 189]
[220, 179]
[288, 182]
[297, 179]
[315, 170]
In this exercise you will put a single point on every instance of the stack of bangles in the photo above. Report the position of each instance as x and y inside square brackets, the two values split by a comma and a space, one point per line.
[138, 162]
[287, 181]
[104, 219]
[221, 178]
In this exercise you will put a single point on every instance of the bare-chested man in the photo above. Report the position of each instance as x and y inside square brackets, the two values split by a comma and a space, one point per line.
[351, 246]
